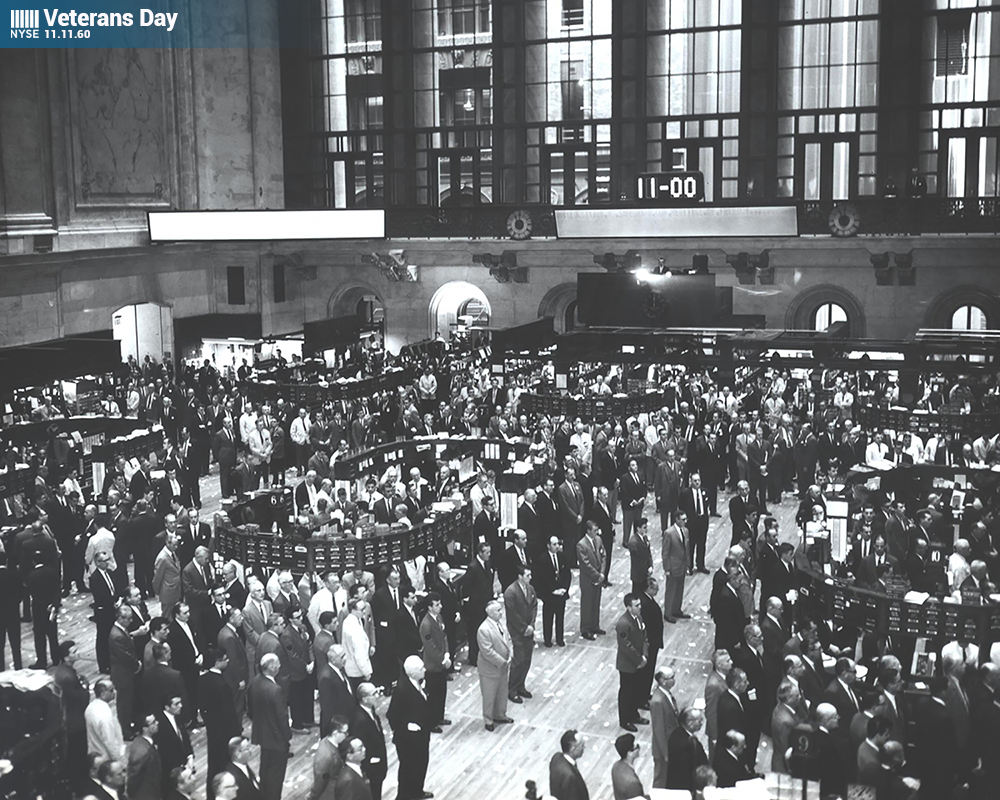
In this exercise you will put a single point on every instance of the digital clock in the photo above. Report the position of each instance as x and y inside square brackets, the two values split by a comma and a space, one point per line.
[670, 188]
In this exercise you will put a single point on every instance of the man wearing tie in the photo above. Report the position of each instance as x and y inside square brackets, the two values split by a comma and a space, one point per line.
[494, 663]
[590, 555]
[107, 591]
[630, 631]
[411, 718]
[386, 603]
[552, 578]
[675, 549]
[640, 557]
[693, 503]
[565, 780]
[632, 492]
[664, 721]
[197, 579]
[570, 497]
[366, 725]
[224, 450]
[522, 608]
[270, 727]
[246, 781]
[601, 514]
[513, 558]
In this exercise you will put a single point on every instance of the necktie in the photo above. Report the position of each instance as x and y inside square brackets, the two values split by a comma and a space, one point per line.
[697, 502]
[395, 599]
[555, 564]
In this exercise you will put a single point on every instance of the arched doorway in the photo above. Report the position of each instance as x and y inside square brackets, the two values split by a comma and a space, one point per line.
[455, 306]
[560, 303]
[356, 299]
[144, 329]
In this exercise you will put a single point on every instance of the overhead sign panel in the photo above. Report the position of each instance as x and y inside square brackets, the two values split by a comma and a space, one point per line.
[255, 226]
[676, 223]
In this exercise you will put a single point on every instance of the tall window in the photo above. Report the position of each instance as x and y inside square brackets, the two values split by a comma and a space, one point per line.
[968, 318]
[572, 90]
[952, 43]
[827, 314]
[462, 17]
[364, 20]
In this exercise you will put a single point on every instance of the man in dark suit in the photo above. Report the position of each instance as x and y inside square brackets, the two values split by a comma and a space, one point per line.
[75, 697]
[632, 493]
[218, 710]
[775, 637]
[730, 760]
[125, 666]
[529, 521]
[830, 766]
[552, 577]
[486, 527]
[546, 505]
[684, 752]
[366, 725]
[407, 626]
[160, 680]
[171, 739]
[350, 783]
[727, 609]
[732, 713]
[840, 693]
[39, 570]
[640, 556]
[197, 579]
[938, 753]
[145, 774]
[693, 502]
[271, 731]
[602, 514]
[565, 780]
[512, 559]
[411, 718]
[652, 618]
[108, 589]
[224, 450]
[873, 568]
[748, 657]
[385, 603]
[186, 657]
[477, 588]
[335, 696]
[231, 640]
[246, 782]
[630, 633]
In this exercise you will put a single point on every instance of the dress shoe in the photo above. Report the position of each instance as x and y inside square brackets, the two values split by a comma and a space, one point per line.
[444, 722]
[641, 721]
[644, 706]
[671, 620]
[426, 795]
[690, 572]
[38, 665]
[703, 571]
[548, 644]
[561, 644]
[682, 615]
[299, 730]
[437, 729]
[525, 694]
[504, 721]
[607, 584]
[589, 636]
[600, 632]
[514, 698]
[628, 726]
[490, 727]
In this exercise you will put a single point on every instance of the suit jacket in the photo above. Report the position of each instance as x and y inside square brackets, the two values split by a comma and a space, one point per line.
[631, 490]
[674, 551]
[335, 697]
[245, 788]
[269, 712]
[600, 515]
[783, 720]
[407, 634]
[434, 642]
[486, 528]
[145, 774]
[167, 579]
[958, 710]
[529, 521]
[173, 748]
[124, 663]
[663, 721]
[160, 682]
[729, 769]
[508, 562]
[254, 624]
[624, 782]
[409, 708]
[685, 755]
[632, 644]
[349, 785]
[477, 584]
[866, 573]
[715, 687]
[732, 715]
[565, 780]
[590, 557]
[547, 579]
[837, 696]
[522, 609]
[495, 649]
[369, 730]
[218, 709]
[640, 557]
[652, 617]
[239, 667]
[570, 497]
[730, 619]
[197, 593]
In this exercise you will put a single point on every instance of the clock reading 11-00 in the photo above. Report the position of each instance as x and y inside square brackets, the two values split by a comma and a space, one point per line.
[678, 187]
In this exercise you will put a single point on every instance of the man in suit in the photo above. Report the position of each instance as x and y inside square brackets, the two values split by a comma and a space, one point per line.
[478, 591]
[630, 633]
[632, 493]
[75, 697]
[186, 657]
[552, 578]
[511, 559]
[529, 521]
[256, 613]
[224, 450]
[145, 775]
[715, 687]
[495, 656]
[840, 693]
[335, 695]
[693, 502]
[571, 514]
[874, 566]
[565, 780]
[410, 716]
[640, 556]
[732, 713]
[624, 781]
[749, 658]
[486, 526]
[351, 783]
[237, 670]
[125, 666]
[830, 766]
[108, 589]
[783, 719]
[727, 609]
[437, 660]
[167, 580]
[667, 481]
[244, 780]
[521, 604]
[664, 713]
[327, 761]
[218, 709]
[775, 636]
[197, 579]
[590, 556]
[601, 514]
[366, 725]
[385, 604]
[269, 709]
[684, 752]
[740, 507]
[407, 628]
[652, 618]
[730, 760]
[171, 739]
[675, 549]
[38, 560]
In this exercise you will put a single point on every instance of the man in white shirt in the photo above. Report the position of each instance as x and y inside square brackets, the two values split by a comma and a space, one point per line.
[357, 646]
[299, 434]
[104, 732]
[582, 440]
[331, 597]
[877, 449]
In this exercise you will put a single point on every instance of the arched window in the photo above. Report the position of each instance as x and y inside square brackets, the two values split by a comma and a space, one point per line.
[827, 314]
[572, 319]
[968, 318]
[477, 310]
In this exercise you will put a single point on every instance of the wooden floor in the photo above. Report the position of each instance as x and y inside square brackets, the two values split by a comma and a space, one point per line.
[574, 687]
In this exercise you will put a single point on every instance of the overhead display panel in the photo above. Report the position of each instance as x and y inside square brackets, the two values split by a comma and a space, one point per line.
[675, 223]
[256, 226]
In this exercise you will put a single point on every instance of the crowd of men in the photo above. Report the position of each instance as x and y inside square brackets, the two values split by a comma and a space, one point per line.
[225, 644]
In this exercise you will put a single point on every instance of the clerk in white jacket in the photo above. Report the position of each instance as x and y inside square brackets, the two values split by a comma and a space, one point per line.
[357, 645]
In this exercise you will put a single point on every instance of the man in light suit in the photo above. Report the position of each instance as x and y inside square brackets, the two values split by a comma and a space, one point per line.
[715, 687]
[167, 575]
[630, 632]
[570, 497]
[674, 550]
[565, 780]
[197, 579]
[590, 556]
[663, 717]
[237, 669]
[521, 604]
[495, 654]
[270, 727]
[783, 719]
[256, 612]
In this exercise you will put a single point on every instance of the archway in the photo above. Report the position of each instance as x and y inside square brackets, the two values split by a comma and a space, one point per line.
[556, 304]
[144, 329]
[942, 311]
[455, 299]
[356, 299]
[826, 303]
